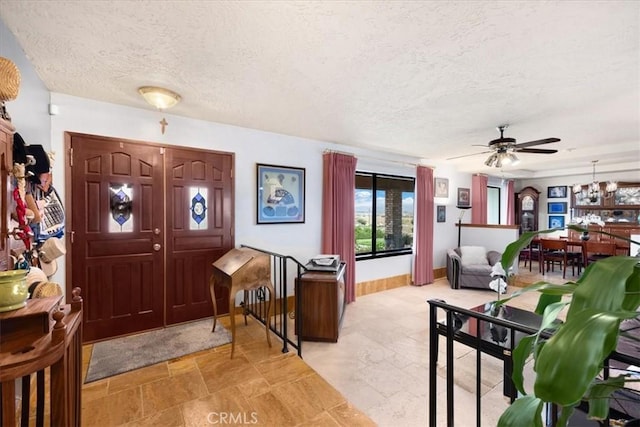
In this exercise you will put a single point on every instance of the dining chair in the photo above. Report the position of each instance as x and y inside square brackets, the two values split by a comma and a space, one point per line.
[531, 253]
[594, 251]
[555, 251]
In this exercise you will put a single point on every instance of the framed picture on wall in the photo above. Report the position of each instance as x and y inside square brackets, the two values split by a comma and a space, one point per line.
[556, 221]
[557, 207]
[464, 197]
[441, 187]
[557, 192]
[441, 213]
[280, 194]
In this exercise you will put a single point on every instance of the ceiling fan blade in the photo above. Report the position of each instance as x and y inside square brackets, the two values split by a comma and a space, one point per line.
[469, 155]
[537, 142]
[535, 150]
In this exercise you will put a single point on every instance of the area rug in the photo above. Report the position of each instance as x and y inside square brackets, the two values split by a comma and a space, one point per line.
[124, 354]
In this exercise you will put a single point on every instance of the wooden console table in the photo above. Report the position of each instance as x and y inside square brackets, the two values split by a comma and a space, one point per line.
[43, 335]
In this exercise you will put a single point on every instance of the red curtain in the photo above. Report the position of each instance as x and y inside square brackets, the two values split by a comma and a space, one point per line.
[338, 213]
[479, 199]
[511, 208]
[423, 232]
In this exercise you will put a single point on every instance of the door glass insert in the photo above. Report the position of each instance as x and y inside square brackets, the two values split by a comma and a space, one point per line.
[120, 206]
[198, 208]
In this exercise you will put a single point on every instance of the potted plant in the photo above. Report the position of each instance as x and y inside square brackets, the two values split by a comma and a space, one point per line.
[567, 365]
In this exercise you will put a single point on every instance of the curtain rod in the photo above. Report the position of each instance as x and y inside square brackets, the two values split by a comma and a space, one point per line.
[377, 158]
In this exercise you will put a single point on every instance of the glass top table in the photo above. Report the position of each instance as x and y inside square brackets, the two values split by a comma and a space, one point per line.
[490, 332]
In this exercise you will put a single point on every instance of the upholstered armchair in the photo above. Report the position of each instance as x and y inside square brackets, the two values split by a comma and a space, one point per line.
[470, 267]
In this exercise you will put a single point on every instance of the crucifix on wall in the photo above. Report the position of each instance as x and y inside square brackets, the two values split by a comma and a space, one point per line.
[163, 124]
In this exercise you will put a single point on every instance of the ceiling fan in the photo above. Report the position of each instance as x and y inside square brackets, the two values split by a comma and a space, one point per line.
[502, 149]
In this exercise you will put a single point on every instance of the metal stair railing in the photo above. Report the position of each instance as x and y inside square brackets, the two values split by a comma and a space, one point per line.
[279, 323]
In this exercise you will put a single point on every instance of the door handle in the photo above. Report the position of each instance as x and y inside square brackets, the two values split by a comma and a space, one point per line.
[156, 231]
[157, 247]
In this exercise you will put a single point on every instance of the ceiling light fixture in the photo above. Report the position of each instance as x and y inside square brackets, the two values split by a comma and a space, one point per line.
[592, 190]
[160, 98]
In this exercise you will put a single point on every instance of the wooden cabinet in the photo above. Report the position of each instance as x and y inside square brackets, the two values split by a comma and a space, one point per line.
[527, 209]
[621, 208]
[322, 302]
[6, 165]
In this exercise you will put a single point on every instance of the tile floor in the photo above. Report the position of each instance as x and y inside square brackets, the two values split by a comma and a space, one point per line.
[377, 374]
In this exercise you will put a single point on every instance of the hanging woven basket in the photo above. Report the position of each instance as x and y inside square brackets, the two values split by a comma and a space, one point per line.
[9, 80]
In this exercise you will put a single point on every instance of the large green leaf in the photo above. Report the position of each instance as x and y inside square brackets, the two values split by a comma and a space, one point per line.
[519, 358]
[550, 316]
[632, 297]
[603, 285]
[599, 394]
[570, 360]
[526, 411]
[545, 300]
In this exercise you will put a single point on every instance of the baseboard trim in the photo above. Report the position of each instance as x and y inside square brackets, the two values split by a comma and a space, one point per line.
[379, 285]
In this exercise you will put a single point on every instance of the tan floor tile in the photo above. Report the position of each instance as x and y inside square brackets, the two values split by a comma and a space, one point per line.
[218, 408]
[307, 397]
[254, 387]
[168, 392]
[113, 409]
[219, 371]
[171, 417]
[95, 390]
[347, 415]
[183, 365]
[324, 419]
[270, 411]
[283, 369]
[138, 377]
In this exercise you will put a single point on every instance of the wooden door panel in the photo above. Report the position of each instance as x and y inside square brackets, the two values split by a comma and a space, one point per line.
[153, 270]
[121, 273]
[191, 251]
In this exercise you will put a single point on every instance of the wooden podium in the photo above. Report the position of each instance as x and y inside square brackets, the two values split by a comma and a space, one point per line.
[241, 269]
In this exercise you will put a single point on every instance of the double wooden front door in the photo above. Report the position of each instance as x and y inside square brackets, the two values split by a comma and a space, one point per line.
[146, 223]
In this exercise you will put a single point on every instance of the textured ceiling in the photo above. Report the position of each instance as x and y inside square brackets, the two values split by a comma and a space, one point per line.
[428, 79]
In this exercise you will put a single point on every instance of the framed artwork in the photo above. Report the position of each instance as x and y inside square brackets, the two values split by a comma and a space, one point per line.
[556, 221]
[441, 187]
[280, 195]
[557, 192]
[464, 197]
[557, 207]
[441, 213]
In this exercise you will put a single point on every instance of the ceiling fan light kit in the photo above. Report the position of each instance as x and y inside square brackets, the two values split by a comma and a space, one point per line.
[502, 150]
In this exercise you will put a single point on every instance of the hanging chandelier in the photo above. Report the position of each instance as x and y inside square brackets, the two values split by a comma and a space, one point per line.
[593, 191]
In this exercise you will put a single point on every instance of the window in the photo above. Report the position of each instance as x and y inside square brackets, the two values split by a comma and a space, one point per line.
[493, 205]
[384, 223]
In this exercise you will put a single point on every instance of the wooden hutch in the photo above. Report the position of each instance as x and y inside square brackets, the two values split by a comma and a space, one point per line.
[619, 211]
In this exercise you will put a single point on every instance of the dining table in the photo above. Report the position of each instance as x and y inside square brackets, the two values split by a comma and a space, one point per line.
[575, 242]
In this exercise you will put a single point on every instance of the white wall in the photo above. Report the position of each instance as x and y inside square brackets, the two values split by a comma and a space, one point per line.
[302, 241]
[493, 239]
